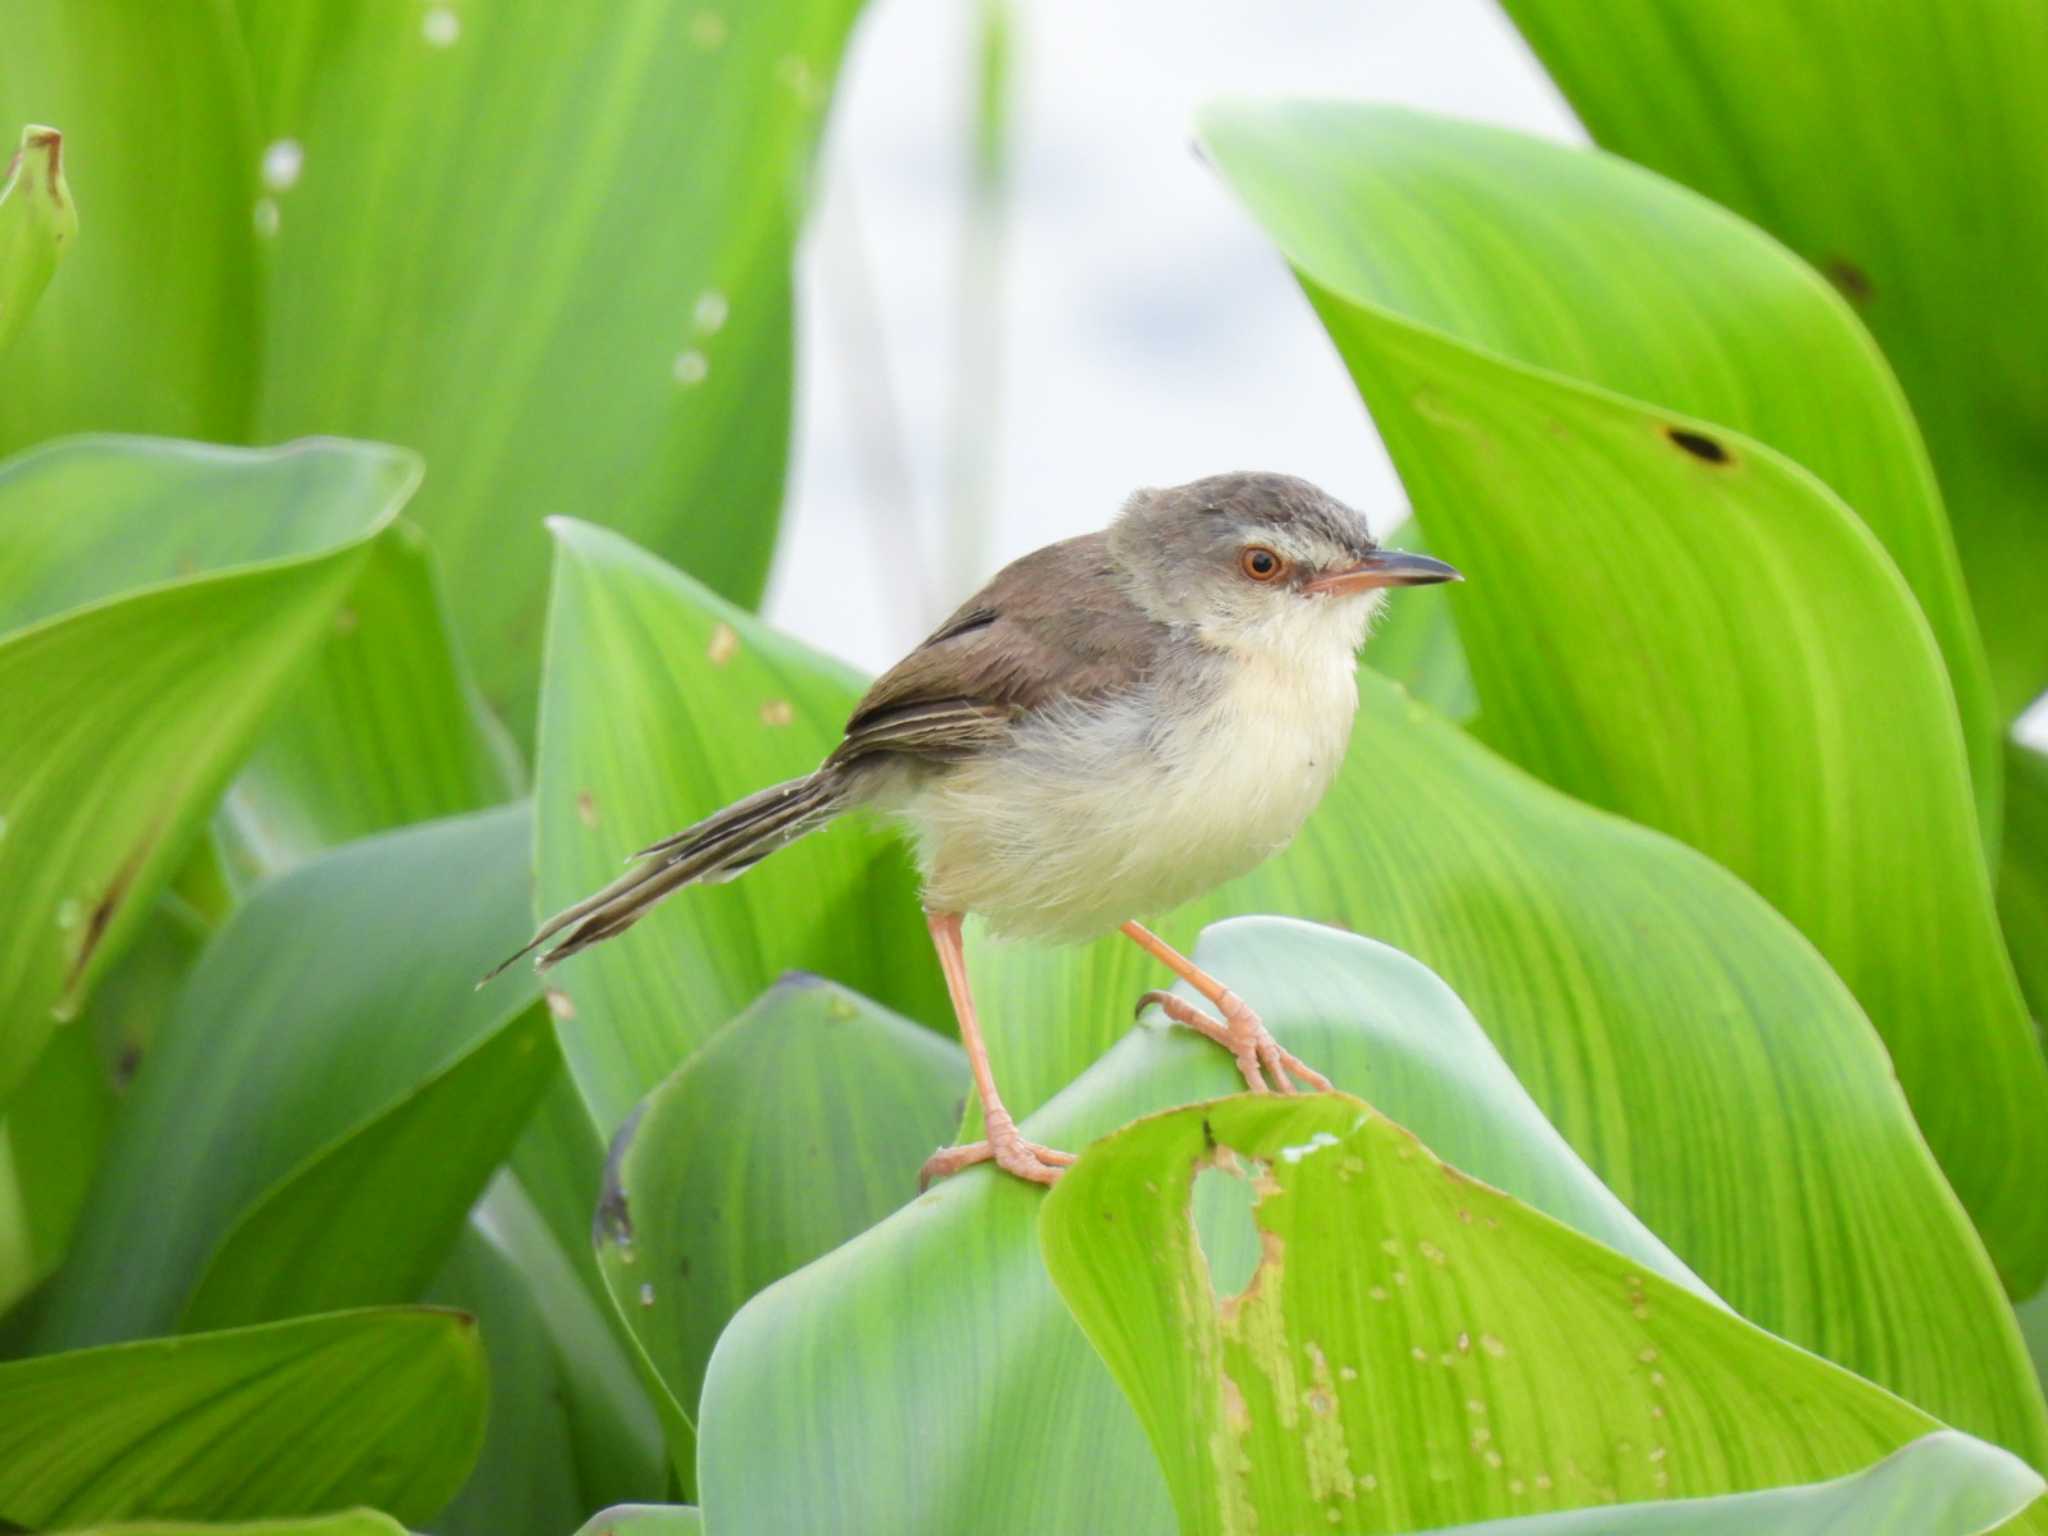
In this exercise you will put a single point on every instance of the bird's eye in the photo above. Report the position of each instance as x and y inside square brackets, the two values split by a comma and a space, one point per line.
[1260, 563]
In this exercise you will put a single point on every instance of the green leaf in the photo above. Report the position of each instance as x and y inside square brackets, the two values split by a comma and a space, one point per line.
[51, 1135]
[1681, 1035]
[1957, 292]
[371, 953]
[356, 1223]
[1595, 386]
[661, 704]
[2023, 874]
[151, 329]
[529, 1480]
[792, 1130]
[1943, 1484]
[154, 600]
[644, 1520]
[930, 1361]
[38, 221]
[354, 1522]
[549, 247]
[385, 731]
[382, 1408]
[1414, 1349]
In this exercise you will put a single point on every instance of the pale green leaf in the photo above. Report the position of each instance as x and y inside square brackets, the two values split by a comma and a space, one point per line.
[792, 1130]
[661, 704]
[549, 247]
[155, 599]
[928, 1366]
[382, 1408]
[1681, 1035]
[1595, 385]
[644, 1520]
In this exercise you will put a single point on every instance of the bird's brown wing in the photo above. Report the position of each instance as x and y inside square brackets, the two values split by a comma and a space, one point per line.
[1054, 625]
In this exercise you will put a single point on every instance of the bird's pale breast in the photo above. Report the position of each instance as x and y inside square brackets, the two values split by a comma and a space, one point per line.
[1130, 806]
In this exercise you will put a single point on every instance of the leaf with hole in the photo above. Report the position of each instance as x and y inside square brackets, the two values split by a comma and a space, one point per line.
[1640, 429]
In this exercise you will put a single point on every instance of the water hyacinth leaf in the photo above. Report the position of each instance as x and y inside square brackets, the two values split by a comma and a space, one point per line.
[576, 223]
[150, 328]
[946, 1302]
[383, 1408]
[51, 1135]
[644, 1520]
[2023, 873]
[792, 1130]
[1957, 293]
[1414, 1349]
[1943, 1484]
[661, 704]
[1736, 648]
[229, 1109]
[38, 223]
[383, 732]
[351, 1522]
[306, 1243]
[529, 1479]
[1648, 1001]
[155, 599]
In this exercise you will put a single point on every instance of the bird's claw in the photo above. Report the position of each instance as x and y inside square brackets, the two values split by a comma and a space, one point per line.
[1007, 1149]
[1265, 1064]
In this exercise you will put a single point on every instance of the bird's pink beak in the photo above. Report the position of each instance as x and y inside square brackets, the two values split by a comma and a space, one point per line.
[1385, 568]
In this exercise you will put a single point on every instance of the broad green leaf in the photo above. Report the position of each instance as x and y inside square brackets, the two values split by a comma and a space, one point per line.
[644, 1520]
[661, 704]
[155, 599]
[383, 1408]
[354, 1522]
[1930, 213]
[928, 1366]
[549, 247]
[526, 1481]
[1413, 1349]
[151, 328]
[383, 732]
[356, 1223]
[38, 223]
[1591, 382]
[318, 1034]
[51, 1135]
[1652, 1005]
[1943, 1484]
[2023, 874]
[792, 1130]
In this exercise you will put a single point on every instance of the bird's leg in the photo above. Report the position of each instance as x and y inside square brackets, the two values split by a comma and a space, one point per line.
[1004, 1144]
[1259, 1056]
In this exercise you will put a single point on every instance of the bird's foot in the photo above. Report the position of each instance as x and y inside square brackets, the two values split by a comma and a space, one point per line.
[1266, 1065]
[1006, 1147]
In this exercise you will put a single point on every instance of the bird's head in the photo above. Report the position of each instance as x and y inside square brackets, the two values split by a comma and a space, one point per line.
[1255, 561]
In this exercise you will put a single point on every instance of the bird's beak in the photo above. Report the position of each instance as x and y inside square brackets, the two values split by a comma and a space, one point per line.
[1385, 568]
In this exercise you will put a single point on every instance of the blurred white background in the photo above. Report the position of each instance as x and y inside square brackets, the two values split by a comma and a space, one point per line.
[1146, 333]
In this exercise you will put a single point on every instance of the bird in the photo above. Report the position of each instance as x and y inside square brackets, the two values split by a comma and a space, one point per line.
[1113, 725]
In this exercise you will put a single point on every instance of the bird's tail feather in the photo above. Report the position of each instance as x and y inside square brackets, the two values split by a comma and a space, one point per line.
[717, 848]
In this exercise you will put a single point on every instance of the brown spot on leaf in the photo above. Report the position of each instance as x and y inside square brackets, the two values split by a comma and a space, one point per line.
[586, 808]
[559, 1003]
[777, 712]
[102, 915]
[1699, 445]
[725, 643]
[1850, 278]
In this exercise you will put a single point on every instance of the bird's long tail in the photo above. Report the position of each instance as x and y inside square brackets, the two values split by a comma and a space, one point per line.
[717, 848]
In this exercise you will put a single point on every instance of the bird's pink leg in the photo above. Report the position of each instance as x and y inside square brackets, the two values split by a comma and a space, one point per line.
[1240, 1032]
[1004, 1144]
